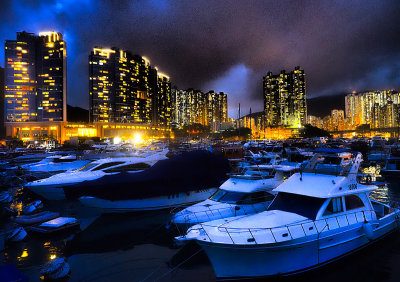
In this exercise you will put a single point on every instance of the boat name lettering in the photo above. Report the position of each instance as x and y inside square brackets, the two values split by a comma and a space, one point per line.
[353, 186]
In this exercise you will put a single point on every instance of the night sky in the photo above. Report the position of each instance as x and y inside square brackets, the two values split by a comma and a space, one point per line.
[226, 45]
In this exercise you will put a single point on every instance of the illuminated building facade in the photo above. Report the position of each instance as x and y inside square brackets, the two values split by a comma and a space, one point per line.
[2, 127]
[51, 77]
[20, 78]
[35, 77]
[315, 121]
[285, 98]
[193, 106]
[124, 88]
[379, 109]
[217, 107]
[163, 101]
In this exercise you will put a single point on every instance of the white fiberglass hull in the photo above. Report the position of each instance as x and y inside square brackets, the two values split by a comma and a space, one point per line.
[200, 213]
[293, 256]
[49, 192]
[151, 203]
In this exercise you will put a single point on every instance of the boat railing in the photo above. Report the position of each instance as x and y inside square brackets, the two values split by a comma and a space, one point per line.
[232, 235]
[213, 213]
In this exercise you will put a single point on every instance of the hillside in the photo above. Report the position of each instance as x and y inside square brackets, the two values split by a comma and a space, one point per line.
[77, 114]
[322, 106]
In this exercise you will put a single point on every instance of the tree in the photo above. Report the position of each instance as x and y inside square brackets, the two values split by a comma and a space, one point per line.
[238, 132]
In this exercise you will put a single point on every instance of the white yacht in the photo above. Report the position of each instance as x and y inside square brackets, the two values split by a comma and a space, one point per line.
[182, 180]
[315, 218]
[392, 166]
[241, 194]
[56, 164]
[52, 188]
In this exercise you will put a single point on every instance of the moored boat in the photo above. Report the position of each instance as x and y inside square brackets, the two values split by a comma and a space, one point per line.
[35, 218]
[242, 194]
[55, 226]
[52, 188]
[182, 180]
[318, 216]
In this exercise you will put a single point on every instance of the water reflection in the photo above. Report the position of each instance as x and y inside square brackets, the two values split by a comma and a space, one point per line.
[133, 247]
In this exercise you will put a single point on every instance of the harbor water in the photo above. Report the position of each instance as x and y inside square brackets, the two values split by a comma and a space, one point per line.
[140, 247]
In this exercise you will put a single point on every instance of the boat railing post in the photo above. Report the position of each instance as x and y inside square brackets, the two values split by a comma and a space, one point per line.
[209, 238]
[206, 212]
[255, 241]
[287, 227]
[302, 227]
[219, 211]
[318, 237]
[229, 235]
[197, 219]
[336, 217]
[272, 232]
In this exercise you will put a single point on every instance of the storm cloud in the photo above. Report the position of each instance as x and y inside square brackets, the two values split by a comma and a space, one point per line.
[226, 45]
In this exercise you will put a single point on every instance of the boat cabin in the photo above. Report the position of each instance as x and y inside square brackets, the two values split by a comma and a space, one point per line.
[317, 194]
[114, 165]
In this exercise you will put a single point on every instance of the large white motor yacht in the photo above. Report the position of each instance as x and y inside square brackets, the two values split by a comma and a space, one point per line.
[317, 217]
[241, 194]
[52, 188]
[56, 164]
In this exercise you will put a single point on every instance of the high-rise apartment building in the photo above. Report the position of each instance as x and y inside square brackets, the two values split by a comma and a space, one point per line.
[51, 77]
[35, 77]
[124, 88]
[217, 110]
[193, 106]
[2, 128]
[379, 109]
[285, 98]
[163, 100]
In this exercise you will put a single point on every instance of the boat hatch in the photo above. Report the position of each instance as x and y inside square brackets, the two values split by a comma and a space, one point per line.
[58, 222]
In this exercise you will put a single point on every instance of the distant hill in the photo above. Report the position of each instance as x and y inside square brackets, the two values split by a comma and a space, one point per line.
[322, 106]
[77, 114]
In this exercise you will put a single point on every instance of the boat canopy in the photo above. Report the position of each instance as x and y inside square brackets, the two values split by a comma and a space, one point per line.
[325, 185]
[187, 172]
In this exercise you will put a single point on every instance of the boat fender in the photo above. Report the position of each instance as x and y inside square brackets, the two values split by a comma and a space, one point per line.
[368, 230]
[56, 269]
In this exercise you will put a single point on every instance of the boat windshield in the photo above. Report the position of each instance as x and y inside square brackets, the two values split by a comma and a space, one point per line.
[240, 198]
[88, 167]
[299, 204]
[332, 160]
[227, 197]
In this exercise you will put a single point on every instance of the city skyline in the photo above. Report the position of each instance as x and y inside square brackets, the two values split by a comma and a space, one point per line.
[224, 55]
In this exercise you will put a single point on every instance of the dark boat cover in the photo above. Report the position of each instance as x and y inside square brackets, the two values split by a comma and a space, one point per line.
[187, 172]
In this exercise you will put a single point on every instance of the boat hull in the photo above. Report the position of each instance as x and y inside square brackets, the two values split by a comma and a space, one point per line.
[49, 192]
[249, 261]
[153, 203]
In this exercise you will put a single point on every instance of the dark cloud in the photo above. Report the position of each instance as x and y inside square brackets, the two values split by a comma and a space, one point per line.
[342, 45]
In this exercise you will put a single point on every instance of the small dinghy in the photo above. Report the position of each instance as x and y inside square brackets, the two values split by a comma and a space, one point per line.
[5, 197]
[16, 235]
[35, 218]
[32, 207]
[56, 269]
[57, 225]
